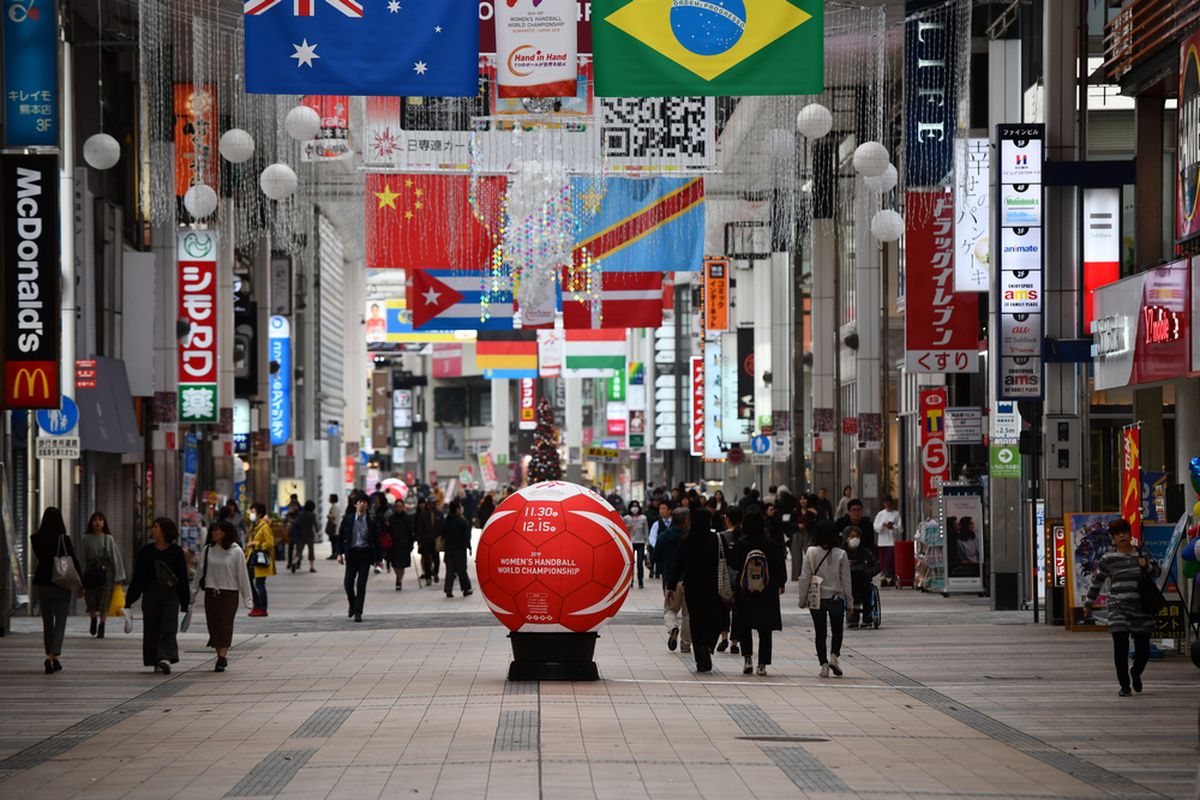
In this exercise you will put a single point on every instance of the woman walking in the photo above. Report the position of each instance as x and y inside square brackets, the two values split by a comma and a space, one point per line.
[304, 534]
[399, 528]
[802, 532]
[160, 579]
[697, 559]
[636, 523]
[222, 577]
[53, 591]
[761, 578]
[1122, 569]
[829, 563]
[103, 568]
[260, 557]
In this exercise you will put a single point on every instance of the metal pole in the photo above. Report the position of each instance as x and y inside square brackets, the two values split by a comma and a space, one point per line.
[64, 497]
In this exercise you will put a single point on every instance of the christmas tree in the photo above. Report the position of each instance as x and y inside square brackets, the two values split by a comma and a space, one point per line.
[544, 464]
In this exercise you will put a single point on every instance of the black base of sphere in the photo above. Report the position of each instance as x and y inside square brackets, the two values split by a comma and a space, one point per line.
[553, 657]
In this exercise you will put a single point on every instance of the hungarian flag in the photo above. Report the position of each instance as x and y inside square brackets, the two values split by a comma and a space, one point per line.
[594, 354]
[627, 300]
[511, 354]
[432, 221]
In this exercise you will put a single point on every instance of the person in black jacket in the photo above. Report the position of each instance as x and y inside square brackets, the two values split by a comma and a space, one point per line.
[864, 565]
[51, 541]
[304, 533]
[160, 579]
[358, 549]
[759, 585]
[400, 528]
[696, 565]
[456, 540]
[427, 525]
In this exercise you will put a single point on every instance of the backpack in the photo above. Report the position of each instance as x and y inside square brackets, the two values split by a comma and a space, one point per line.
[756, 575]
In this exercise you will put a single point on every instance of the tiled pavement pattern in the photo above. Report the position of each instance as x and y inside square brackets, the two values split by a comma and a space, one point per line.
[946, 700]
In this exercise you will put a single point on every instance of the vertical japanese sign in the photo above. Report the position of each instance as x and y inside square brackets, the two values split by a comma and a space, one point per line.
[1019, 262]
[745, 379]
[944, 336]
[381, 416]
[716, 294]
[527, 390]
[713, 420]
[550, 353]
[935, 459]
[972, 212]
[697, 423]
[279, 348]
[1101, 245]
[930, 95]
[196, 138]
[29, 255]
[1060, 556]
[197, 254]
[30, 45]
[333, 137]
[1187, 179]
[536, 48]
[1131, 478]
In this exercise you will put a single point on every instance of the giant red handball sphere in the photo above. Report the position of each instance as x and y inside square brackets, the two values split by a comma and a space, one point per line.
[554, 557]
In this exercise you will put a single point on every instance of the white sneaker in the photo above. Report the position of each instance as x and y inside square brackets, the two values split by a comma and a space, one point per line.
[685, 648]
[762, 670]
[833, 665]
[824, 673]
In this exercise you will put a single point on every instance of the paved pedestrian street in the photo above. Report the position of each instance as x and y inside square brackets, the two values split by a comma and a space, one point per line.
[946, 700]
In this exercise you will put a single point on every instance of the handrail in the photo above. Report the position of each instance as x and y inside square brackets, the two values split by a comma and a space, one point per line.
[1142, 29]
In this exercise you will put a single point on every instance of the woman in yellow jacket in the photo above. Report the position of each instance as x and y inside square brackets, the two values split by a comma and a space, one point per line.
[260, 557]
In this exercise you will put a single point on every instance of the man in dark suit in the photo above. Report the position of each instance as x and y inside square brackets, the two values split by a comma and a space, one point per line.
[358, 548]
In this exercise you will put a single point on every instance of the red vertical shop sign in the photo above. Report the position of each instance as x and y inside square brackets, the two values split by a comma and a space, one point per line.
[945, 336]
[935, 459]
[1131, 479]
[697, 406]
[197, 254]
[527, 388]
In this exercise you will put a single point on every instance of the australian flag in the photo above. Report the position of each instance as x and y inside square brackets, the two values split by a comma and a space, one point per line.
[363, 47]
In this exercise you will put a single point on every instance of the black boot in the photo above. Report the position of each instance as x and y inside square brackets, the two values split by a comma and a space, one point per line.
[92, 629]
[100, 631]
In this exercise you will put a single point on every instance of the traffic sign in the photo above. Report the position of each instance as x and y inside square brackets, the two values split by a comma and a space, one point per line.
[63, 421]
[736, 455]
[760, 445]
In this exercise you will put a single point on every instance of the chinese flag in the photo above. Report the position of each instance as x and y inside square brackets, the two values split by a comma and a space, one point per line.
[432, 221]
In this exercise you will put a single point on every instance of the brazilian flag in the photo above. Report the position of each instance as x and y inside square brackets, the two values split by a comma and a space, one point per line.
[668, 48]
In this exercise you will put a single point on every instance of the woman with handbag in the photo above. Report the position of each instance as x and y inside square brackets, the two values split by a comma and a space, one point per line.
[55, 577]
[761, 577]
[824, 586]
[223, 578]
[160, 579]
[1133, 602]
[260, 557]
[103, 568]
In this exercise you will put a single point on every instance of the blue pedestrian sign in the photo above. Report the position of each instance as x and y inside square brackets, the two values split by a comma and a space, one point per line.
[760, 445]
[59, 421]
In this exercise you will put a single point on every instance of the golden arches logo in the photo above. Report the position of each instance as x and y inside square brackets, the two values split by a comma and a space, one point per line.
[31, 376]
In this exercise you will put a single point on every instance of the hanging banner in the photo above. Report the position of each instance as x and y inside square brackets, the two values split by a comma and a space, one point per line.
[716, 294]
[582, 14]
[550, 353]
[333, 137]
[30, 46]
[1131, 478]
[527, 396]
[944, 337]
[381, 410]
[935, 458]
[279, 351]
[972, 218]
[1187, 177]
[930, 94]
[29, 254]
[196, 138]
[197, 254]
[697, 424]
[1101, 246]
[713, 422]
[745, 378]
[536, 48]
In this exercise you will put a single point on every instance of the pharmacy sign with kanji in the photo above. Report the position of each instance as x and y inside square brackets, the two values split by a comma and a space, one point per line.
[197, 262]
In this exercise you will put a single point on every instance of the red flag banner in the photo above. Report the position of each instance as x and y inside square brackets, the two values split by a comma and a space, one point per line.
[627, 300]
[1131, 479]
[935, 458]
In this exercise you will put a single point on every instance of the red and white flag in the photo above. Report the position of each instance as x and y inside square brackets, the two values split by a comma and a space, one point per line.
[627, 300]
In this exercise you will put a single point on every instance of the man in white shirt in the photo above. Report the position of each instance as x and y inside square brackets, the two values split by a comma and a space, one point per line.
[888, 526]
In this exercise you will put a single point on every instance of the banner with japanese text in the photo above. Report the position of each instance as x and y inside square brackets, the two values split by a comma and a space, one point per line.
[1131, 478]
[197, 264]
[935, 458]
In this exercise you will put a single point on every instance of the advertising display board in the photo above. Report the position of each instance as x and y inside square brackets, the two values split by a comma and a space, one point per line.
[697, 407]
[279, 347]
[972, 215]
[1087, 540]
[30, 47]
[536, 49]
[716, 294]
[1141, 333]
[935, 460]
[963, 521]
[197, 254]
[1101, 244]
[1018, 262]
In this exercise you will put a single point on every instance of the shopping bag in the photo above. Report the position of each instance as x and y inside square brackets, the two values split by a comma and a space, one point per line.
[116, 606]
[129, 622]
[187, 622]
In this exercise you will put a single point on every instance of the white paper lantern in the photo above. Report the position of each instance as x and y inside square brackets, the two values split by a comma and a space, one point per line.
[883, 183]
[101, 151]
[302, 123]
[887, 226]
[236, 145]
[871, 159]
[278, 181]
[200, 201]
[814, 121]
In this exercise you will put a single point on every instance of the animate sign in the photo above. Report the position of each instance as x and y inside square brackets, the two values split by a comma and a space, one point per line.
[29, 259]
[1019, 295]
[1141, 332]
[197, 255]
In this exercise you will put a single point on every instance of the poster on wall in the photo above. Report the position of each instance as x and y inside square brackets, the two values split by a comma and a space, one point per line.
[536, 48]
[1087, 541]
[963, 521]
[197, 254]
[1187, 178]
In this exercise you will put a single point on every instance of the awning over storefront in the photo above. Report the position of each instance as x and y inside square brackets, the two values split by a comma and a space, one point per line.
[107, 423]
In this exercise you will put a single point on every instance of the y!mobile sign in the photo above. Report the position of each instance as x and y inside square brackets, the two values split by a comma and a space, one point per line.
[1018, 262]
[197, 254]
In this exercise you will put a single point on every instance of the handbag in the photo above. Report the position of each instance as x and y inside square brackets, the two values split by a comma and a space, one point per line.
[1151, 598]
[813, 599]
[165, 575]
[259, 558]
[95, 576]
[64, 573]
[439, 544]
[724, 583]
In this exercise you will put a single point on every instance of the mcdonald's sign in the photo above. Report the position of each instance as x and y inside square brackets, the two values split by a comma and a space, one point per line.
[29, 266]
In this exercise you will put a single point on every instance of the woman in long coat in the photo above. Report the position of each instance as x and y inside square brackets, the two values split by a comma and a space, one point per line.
[696, 565]
[757, 610]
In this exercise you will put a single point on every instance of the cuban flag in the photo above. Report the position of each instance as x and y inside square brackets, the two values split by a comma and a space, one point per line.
[363, 47]
[449, 300]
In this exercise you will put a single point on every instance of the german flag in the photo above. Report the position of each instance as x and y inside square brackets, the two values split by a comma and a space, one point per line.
[507, 354]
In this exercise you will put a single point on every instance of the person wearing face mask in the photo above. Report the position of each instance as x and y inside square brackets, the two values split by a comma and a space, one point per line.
[864, 565]
[260, 557]
[636, 523]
